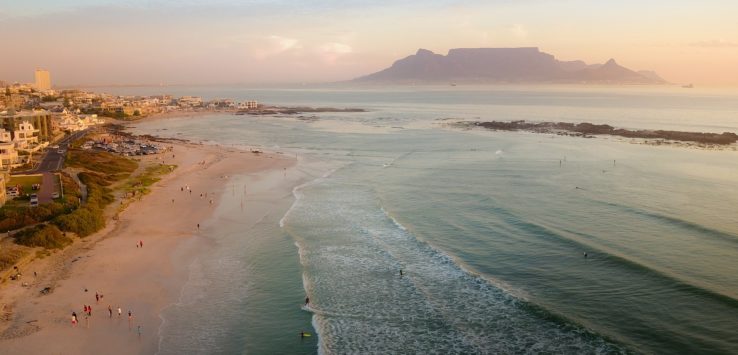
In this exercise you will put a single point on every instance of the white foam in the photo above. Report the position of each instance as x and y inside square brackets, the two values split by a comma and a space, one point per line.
[398, 224]
[354, 252]
[296, 193]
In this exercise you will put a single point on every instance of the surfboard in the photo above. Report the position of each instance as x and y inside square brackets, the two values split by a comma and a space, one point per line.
[306, 334]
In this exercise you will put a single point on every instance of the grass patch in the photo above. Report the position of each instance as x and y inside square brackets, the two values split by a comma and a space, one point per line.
[25, 182]
[101, 162]
[141, 184]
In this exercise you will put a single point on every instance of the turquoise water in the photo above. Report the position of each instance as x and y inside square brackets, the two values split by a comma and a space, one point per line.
[489, 229]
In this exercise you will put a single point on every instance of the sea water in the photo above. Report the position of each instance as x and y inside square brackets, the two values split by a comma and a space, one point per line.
[488, 228]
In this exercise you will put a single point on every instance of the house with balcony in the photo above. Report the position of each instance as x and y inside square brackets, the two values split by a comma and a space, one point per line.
[8, 154]
[26, 136]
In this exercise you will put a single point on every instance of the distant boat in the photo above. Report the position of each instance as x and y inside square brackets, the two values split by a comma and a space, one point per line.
[453, 84]
[688, 86]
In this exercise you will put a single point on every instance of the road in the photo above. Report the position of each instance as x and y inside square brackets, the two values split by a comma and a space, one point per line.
[50, 162]
[53, 160]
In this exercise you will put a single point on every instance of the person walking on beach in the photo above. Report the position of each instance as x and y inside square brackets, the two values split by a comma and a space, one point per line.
[130, 318]
[119, 311]
[97, 297]
[74, 319]
[141, 242]
[198, 226]
[89, 311]
[110, 311]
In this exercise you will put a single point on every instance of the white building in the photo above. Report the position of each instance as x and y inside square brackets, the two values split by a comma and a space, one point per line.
[75, 122]
[8, 154]
[249, 105]
[190, 101]
[26, 135]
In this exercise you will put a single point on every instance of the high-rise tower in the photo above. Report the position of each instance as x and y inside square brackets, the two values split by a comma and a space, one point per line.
[43, 80]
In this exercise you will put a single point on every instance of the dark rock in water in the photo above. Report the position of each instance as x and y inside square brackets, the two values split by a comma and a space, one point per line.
[587, 129]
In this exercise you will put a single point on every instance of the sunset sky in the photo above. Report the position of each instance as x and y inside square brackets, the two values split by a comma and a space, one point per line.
[289, 41]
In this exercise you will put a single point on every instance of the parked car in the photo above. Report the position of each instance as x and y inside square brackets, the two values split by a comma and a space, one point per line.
[12, 191]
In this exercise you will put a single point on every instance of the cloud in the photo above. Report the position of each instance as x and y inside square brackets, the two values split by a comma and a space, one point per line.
[268, 46]
[719, 43]
[518, 31]
[332, 51]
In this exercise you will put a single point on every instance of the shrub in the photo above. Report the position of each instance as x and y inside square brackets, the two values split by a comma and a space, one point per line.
[47, 236]
[11, 219]
[83, 221]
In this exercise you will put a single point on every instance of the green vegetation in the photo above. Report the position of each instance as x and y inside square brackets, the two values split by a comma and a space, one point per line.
[152, 174]
[18, 214]
[102, 162]
[101, 171]
[47, 236]
[105, 169]
[19, 217]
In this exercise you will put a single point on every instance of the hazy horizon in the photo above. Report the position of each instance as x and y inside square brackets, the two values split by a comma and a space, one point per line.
[86, 42]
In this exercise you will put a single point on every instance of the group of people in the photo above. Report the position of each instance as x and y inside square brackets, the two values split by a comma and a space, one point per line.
[87, 312]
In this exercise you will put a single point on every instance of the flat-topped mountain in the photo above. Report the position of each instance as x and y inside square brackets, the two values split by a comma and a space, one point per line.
[504, 65]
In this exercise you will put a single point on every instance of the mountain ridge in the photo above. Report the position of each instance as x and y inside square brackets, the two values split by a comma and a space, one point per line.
[504, 65]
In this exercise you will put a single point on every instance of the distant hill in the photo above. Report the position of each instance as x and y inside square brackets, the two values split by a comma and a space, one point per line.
[504, 65]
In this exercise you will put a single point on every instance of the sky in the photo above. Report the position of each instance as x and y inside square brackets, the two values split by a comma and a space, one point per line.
[86, 42]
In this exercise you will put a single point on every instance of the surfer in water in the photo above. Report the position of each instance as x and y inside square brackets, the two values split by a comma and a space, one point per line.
[400, 272]
[307, 301]
[303, 334]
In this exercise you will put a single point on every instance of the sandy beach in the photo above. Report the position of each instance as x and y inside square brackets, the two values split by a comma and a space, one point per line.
[110, 263]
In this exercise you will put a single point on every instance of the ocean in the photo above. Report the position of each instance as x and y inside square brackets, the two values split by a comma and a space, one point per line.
[489, 229]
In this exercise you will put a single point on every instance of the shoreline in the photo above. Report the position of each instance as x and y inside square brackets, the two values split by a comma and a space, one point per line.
[145, 280]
